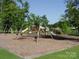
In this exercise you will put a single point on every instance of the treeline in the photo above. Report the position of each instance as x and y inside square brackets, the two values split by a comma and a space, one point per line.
[15, 16]
[69, 22]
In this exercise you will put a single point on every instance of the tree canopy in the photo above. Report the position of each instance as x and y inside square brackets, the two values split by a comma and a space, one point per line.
[12, 16]
[72, 12]
[15, 16]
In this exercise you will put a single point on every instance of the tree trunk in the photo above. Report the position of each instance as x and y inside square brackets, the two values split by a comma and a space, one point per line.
[38, 33]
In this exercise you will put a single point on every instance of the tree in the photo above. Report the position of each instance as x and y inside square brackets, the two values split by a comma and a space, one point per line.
[72, 13]
[22, 13]
[51, 26]
[14, 14]
[64, 25]
[1, 3]
[6, 15]
[45, 23]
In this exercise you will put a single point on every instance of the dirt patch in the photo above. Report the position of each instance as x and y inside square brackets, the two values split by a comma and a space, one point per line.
[28, 46]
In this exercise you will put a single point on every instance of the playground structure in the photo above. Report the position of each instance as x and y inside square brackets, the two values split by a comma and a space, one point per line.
[34, 32]
[24, 30]
[46, 33]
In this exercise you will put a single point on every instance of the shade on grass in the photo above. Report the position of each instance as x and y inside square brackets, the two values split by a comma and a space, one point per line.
[71, 53]
[4, 54]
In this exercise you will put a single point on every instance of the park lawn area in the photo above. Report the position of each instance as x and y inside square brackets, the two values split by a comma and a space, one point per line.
[5, 54]
[70, 53]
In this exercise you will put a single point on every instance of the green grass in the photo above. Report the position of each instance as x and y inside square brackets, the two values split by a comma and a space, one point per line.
[4, 54]
[71, 53]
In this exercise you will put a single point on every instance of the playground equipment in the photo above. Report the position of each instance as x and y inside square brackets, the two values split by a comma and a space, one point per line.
[24, 30]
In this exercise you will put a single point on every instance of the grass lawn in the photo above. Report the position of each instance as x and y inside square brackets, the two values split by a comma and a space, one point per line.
[4, 54]
[71, 53]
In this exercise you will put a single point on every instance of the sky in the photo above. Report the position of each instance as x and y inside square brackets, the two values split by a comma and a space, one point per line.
[53, 9]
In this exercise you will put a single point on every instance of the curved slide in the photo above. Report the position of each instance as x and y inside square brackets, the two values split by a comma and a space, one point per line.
[24, 30]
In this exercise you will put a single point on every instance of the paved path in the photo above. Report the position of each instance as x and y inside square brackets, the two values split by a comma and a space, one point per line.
[28, 48]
